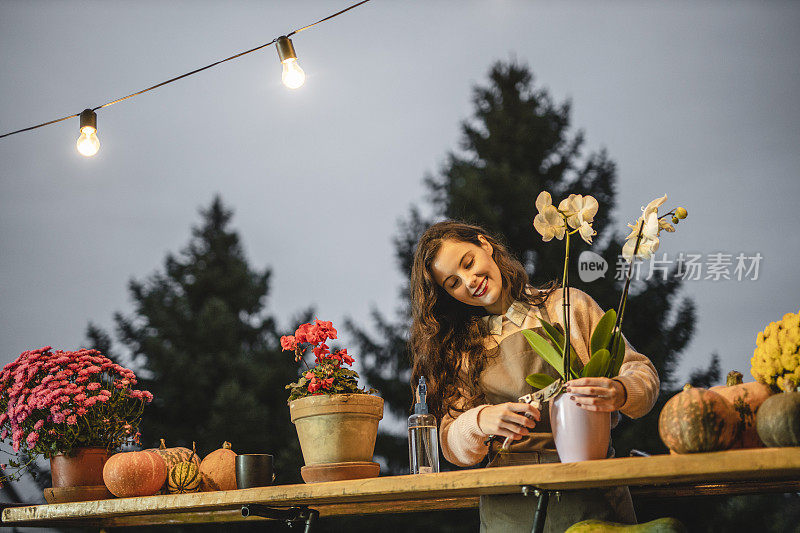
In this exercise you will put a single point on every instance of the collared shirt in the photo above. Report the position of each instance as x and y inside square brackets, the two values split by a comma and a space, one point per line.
[516, 314]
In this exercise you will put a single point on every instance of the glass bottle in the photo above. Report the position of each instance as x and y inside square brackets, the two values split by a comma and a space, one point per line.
[423, 436]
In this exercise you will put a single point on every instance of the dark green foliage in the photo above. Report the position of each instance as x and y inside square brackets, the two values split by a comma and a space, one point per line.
[99, 340]
[707, 377]
[345, 382]
[209, 352]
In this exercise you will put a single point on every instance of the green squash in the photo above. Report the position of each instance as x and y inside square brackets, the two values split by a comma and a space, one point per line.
[778, 420]
[662, 525]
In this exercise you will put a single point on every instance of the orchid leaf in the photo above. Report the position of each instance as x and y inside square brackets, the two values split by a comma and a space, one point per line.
[597, 365]
[558, 339]
[601, 335]
[545, 349]
[619, 355]
[539, 381]
[554, 334]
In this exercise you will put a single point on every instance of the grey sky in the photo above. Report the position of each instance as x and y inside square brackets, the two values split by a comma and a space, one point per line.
[696, 100]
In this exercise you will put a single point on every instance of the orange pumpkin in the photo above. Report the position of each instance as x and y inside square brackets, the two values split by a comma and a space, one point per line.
[697, 420]
[746, 398]
[131, 474]
[218, 469]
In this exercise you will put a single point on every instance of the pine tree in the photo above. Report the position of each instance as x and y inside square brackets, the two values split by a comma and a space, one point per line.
[519, 142]
[208, 350]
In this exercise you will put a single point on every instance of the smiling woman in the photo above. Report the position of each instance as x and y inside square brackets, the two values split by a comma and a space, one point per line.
[469, 274]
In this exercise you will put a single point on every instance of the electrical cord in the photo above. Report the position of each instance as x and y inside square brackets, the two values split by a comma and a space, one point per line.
[176, 78]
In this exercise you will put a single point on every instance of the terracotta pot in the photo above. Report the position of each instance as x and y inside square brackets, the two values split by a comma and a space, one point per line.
[337, 428]
[580, 435]
[83, 467]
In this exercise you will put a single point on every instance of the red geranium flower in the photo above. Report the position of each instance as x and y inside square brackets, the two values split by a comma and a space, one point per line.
[327, 376]
[288, 342]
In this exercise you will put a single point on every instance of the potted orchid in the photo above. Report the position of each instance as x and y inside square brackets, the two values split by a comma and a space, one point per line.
[72, 407]
[336, 421]
[575, 215]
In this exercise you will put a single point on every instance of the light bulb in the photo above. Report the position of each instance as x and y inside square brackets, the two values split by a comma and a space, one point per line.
[88, 144]
[292, 75]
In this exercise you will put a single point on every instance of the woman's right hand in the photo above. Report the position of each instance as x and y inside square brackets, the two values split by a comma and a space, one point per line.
[508, 419]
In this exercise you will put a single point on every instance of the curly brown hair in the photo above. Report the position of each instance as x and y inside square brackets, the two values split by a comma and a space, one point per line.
[447, 336]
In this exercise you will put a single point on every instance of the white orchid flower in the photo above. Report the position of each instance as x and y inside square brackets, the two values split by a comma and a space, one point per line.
[566, 205]
[550, 223]
[651, 226]
[649, 242]
[653, 206]
[579, 209]
[646, 246]
[543, 200]
[579, 212]
[587, 232]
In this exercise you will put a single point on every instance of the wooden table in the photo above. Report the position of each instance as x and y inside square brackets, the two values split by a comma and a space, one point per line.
[729, 472]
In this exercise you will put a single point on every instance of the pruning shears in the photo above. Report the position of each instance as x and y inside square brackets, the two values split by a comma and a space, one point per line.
[537, 399]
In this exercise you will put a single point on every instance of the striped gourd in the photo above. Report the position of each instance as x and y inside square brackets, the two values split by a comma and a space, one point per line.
[173, 456]
[183, 477]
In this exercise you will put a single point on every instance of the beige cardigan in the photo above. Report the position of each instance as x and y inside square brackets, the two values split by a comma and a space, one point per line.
[503, 379]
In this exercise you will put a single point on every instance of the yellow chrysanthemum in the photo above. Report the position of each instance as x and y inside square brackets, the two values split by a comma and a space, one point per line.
[777, 354]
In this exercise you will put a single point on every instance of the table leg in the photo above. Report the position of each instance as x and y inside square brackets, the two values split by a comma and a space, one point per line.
[311, 516]
[540, 515]
[543, 498]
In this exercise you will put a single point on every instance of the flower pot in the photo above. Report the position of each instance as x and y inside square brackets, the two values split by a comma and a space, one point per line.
[83, 467]
[580, 435]
[78, 476]
[336, 428]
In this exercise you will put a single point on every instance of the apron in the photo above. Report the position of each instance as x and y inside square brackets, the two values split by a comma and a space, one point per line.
[514, 358]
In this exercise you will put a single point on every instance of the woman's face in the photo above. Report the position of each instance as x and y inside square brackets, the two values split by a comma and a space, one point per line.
[469, 274]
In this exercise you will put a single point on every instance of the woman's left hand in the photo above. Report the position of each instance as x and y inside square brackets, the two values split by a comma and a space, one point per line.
[598, 394]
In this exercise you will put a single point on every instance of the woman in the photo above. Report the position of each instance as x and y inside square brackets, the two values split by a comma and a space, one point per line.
[470, 300]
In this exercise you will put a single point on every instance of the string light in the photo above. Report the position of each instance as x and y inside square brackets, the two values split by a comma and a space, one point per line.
[292, 76]
[88, 144]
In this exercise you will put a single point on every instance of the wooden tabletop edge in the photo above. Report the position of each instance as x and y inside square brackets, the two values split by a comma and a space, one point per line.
[770, 464]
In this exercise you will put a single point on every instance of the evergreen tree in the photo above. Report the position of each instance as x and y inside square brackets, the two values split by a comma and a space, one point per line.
[209, 352]
[518, 143]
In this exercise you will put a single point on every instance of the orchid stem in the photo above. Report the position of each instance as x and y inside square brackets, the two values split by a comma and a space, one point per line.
[624, 298]
[565, 302]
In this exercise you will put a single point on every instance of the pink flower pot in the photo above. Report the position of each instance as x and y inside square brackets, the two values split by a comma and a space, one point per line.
[580, 435]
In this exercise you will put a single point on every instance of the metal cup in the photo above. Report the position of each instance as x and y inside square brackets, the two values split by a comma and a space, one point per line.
[254, 470]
